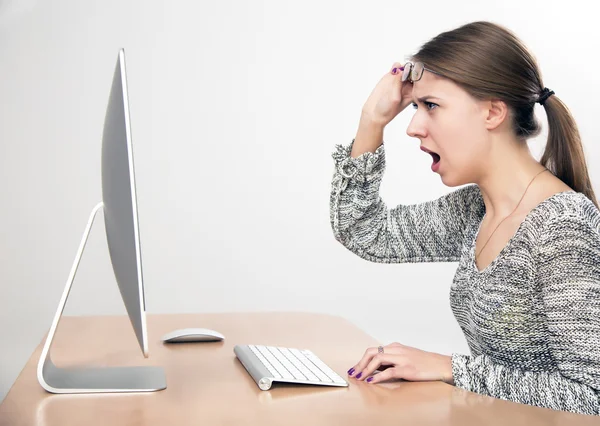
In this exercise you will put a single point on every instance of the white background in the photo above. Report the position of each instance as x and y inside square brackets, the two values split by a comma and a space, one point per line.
[235, 107]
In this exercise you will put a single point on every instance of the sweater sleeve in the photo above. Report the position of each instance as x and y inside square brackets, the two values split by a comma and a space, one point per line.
[569, 280]
[428, 232]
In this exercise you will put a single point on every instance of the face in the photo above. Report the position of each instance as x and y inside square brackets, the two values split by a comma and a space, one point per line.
[451, 123]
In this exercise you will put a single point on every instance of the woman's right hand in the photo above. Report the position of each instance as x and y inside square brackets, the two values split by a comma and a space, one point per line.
[389, 97]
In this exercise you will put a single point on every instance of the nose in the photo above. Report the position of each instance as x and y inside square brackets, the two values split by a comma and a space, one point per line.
[416, 127]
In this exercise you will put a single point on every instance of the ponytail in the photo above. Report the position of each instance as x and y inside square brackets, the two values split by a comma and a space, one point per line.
[564, 155]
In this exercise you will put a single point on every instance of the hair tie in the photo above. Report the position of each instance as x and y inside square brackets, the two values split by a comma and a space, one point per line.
[546, 93]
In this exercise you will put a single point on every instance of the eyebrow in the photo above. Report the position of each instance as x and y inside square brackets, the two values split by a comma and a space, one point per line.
[428, 97]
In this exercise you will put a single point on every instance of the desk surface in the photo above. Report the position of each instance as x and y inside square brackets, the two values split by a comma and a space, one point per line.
[207, 385]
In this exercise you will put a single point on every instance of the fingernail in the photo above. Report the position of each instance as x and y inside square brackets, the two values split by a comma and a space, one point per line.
[369, 379]
[351, 371]
[394, 70]
[401, 68]
[359, 375]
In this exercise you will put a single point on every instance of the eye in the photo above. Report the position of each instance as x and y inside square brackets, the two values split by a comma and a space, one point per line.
[429, 105]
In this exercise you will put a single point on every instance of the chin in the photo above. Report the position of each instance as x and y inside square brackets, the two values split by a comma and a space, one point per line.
[453, 180]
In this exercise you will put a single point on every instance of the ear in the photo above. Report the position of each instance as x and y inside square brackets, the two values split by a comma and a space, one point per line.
[495, 113]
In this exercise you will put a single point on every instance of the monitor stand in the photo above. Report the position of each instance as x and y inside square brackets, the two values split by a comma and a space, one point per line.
[92, 380]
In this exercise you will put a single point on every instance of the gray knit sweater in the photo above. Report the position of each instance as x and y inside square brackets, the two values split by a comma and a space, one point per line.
[531, 318]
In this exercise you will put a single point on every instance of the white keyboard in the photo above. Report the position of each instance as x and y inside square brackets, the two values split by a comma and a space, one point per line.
[268, 364]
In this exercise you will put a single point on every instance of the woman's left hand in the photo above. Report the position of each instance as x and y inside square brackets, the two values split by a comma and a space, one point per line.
[402, 362]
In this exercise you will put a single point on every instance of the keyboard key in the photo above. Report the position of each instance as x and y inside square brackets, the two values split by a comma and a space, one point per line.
[300, 366]
[287, 361]
[264, 361]
[274, 358]
[309, 365]
[269, 357]
[324, 367]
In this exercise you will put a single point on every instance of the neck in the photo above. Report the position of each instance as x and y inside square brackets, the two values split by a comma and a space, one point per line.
[506, 177]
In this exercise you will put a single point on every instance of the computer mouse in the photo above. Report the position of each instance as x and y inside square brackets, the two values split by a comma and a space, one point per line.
[192, 335]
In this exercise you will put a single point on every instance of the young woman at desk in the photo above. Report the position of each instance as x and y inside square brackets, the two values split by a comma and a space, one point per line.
[525, 234]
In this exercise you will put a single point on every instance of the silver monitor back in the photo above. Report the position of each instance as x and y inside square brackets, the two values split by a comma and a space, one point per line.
[120, 203]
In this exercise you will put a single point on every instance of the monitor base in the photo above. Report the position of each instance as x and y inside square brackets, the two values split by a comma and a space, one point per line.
[95, 379]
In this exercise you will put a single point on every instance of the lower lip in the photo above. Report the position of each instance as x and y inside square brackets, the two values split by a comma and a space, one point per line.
[436, 166]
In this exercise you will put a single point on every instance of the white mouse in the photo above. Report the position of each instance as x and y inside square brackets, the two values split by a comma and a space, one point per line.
[192, 335]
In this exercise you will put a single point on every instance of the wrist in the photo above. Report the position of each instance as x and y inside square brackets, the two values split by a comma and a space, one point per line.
[370, 122]
[446, 370]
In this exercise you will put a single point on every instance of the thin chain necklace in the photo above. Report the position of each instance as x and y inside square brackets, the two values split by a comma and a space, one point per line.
[515, 209]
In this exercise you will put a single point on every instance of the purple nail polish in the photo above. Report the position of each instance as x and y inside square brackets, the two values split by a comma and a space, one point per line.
[394, 70]
[369, 379]
[401, 68]
[351, 371]
[359, 375]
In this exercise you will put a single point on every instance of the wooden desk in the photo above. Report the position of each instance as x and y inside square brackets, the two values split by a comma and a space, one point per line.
[208, 386]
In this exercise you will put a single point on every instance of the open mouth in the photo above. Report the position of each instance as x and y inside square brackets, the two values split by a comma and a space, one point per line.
[434, 155]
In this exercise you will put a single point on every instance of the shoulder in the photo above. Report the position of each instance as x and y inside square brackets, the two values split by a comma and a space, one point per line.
[566, 208]
[568, 251]
[568, 227]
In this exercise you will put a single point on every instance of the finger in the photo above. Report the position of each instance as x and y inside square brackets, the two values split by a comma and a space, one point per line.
[390, 373]
[397, 68]
[390, 349]
[397, 71]
[368, 356]
[364, 361]
[377, 361]
[384, 367]
[401, 88]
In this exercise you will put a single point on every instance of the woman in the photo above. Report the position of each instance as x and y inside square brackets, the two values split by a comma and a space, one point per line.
[526, 234]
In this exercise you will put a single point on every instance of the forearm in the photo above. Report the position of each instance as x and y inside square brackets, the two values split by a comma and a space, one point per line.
[369, 136]
[357, 212]
[544, 389]
[362, 222]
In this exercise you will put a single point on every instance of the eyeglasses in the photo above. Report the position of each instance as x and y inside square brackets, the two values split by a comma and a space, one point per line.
[414, 72]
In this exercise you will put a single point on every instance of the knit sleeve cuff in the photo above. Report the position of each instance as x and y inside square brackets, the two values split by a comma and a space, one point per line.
[460, 371]
[363, 168]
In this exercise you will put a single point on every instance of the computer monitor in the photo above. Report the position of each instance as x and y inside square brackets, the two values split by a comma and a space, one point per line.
[119, 205]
